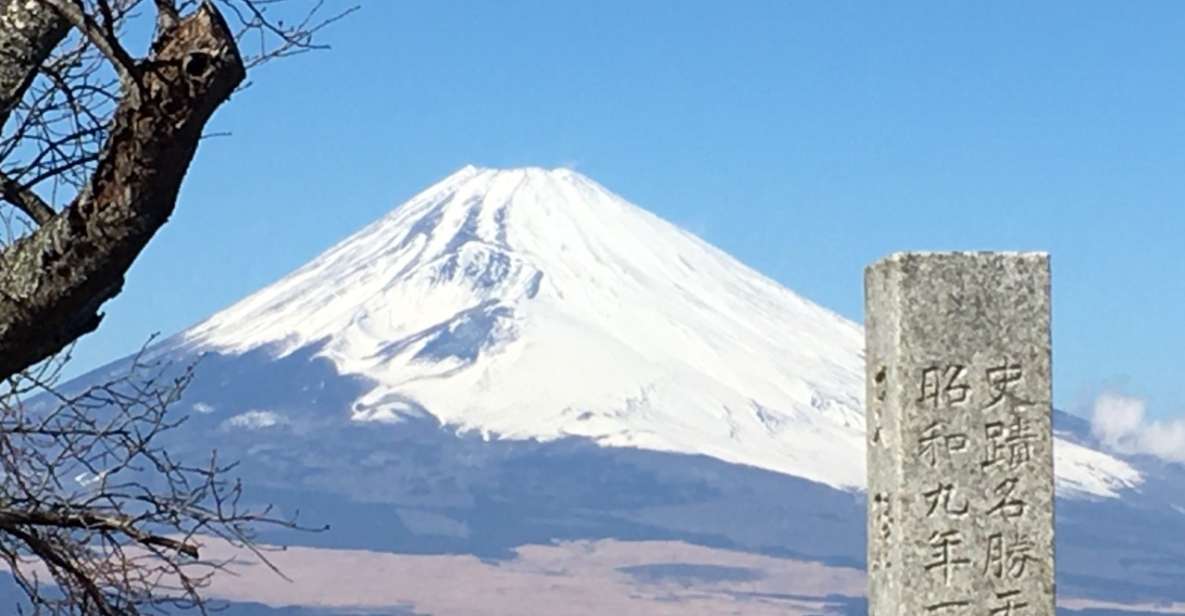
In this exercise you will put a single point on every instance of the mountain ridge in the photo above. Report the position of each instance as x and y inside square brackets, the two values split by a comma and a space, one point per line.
[491, 276]
[517, 272]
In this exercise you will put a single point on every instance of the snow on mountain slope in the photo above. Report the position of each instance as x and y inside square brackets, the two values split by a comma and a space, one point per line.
[531, 303]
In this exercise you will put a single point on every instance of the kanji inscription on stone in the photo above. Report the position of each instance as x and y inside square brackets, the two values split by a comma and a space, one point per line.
[960, 441]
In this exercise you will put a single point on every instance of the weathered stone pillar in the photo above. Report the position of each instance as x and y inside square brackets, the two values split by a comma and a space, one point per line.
[960, 441]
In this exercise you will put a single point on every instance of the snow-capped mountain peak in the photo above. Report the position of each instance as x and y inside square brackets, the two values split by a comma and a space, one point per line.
[534, 303]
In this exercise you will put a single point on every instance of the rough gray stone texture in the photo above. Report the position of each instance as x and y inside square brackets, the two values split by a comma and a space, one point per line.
[960, 448]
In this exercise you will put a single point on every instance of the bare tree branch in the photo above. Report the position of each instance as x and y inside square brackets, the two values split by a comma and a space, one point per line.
[284, 40]
[90, 521]
[54, 558]
[103, 38]
[96, 515]
[94, 499]
[29, 32]
[26, 200]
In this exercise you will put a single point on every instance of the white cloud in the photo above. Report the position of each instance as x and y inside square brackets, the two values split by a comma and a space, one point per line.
[203, 408]
[1117, 419]
[254, 420]
[1119, 422]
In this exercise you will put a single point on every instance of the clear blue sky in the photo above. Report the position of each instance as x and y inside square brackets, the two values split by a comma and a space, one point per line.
[807, 139]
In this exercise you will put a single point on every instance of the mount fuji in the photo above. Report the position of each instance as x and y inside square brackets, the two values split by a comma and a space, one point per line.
[516, 361]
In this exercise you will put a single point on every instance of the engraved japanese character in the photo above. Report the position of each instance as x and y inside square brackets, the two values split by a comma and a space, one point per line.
[995, 454]
[943, 495]
[934, 438]
[1008, 555]
[1012, 604]
[1009, 506]
[1000, 380]
[1020, 438]
[941, 386]
[1011, 444]
[944, 553]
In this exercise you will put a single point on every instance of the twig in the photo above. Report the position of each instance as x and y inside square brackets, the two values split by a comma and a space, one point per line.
[103, 39]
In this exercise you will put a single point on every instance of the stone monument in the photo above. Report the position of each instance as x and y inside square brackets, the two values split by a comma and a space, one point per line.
[960, 447]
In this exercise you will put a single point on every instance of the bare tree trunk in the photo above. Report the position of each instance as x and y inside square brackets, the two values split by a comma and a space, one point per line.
[53, 281]
[29, 32]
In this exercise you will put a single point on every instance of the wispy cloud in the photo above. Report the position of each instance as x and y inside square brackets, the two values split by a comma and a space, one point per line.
[255, 420]
[1119, 422]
